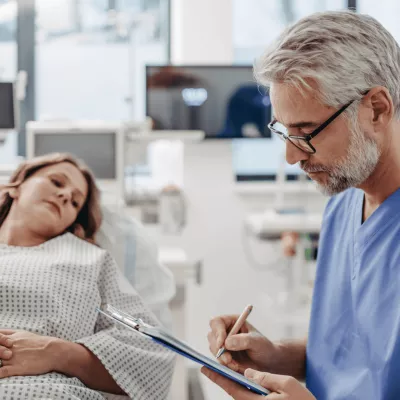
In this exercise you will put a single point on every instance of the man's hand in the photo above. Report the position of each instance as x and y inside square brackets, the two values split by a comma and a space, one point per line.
[281, 387]
[30, 354]
[248, 349]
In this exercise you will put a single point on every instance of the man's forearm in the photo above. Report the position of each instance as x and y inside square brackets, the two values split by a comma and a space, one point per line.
[290, 359]
[74, 359]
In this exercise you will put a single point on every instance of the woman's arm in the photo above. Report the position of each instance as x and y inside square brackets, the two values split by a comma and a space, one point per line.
[126, 354]
[33, 354]
[73, 359]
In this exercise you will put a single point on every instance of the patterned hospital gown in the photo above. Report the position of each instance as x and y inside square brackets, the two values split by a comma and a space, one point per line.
[53, 289]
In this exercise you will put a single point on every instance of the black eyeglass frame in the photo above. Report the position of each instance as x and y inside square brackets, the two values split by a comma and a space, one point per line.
[315, 132]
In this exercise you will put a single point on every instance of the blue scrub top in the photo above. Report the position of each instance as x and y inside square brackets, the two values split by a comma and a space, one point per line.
[353, 350]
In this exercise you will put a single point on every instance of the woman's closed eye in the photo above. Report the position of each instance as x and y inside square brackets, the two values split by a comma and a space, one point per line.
[59, 184]
[56, 182]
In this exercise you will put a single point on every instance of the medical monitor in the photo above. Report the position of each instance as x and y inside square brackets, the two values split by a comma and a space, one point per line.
[7, 106]
[223, 101]
[254, 161]
[99, 145]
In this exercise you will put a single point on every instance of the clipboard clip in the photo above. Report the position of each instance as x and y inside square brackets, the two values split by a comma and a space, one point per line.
[135, 323]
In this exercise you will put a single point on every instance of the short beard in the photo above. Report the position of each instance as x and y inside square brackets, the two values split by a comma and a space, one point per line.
[353, 169]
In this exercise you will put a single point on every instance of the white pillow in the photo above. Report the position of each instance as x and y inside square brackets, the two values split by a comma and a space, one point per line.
[137, 256]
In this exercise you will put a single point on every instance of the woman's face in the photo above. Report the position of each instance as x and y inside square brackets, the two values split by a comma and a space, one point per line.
[50, 200]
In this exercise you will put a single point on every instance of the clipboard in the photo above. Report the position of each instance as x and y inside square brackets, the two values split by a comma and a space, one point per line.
[164, 338]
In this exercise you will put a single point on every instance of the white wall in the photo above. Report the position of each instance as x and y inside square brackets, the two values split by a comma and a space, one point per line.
[201, 31]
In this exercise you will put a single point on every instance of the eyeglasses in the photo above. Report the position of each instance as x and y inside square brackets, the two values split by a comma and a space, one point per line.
[303, 142]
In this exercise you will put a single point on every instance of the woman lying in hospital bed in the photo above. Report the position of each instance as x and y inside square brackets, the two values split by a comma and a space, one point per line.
[53, 344]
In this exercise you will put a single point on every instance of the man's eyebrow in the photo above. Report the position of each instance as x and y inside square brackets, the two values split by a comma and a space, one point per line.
[300, 124]
[303, 124]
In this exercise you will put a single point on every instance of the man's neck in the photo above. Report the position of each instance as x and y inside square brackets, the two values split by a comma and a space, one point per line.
[384, 181]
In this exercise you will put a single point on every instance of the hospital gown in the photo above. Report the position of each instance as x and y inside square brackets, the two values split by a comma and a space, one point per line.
[53, 289]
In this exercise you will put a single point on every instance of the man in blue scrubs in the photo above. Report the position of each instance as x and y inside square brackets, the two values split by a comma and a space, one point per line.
[334, 82]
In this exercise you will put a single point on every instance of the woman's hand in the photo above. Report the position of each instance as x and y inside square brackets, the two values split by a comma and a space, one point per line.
[34, 354]
[31, 354]
[281, 387]
[5, 346]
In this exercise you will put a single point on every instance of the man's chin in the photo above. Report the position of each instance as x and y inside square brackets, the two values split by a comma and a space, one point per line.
[319, 178]
[329, 189]
[324, 190]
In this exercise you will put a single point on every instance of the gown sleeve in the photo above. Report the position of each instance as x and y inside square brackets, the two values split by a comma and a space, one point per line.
[140, 367]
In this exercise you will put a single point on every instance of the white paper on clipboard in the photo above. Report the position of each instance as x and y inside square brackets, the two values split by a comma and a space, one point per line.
[161, 336]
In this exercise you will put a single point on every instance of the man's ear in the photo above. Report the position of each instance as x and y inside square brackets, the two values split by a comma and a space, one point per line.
[381, 104]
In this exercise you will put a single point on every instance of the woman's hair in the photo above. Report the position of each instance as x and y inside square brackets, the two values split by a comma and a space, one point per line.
[345, 53]
[89, 218]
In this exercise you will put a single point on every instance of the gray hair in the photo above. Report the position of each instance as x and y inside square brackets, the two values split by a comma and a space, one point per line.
[343, 52]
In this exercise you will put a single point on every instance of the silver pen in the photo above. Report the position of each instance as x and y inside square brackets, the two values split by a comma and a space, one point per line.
[236, 328]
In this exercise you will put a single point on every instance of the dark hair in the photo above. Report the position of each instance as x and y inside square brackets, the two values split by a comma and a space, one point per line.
[89, 218]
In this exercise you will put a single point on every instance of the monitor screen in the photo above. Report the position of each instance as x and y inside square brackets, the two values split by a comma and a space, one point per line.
[7, 112]
[97, 150]
[260, 161]
[222, 101]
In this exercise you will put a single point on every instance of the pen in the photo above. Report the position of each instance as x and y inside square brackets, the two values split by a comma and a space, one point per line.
[238, 325]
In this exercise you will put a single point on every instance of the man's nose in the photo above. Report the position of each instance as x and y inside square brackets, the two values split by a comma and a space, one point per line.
[294, 154]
